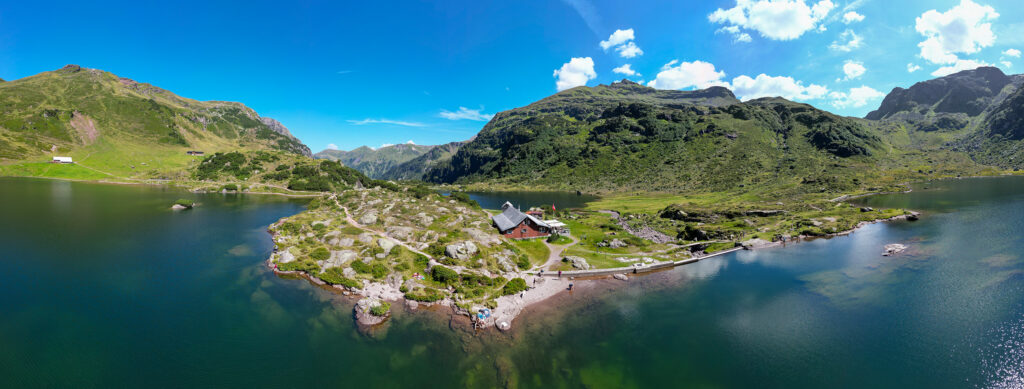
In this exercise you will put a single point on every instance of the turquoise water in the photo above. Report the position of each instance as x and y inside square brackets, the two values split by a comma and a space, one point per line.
[104, 286]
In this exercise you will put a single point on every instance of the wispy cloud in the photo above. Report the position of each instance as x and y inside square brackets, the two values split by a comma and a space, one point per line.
[345, 71]
[466, 114]
[386, 121]
[332, 146]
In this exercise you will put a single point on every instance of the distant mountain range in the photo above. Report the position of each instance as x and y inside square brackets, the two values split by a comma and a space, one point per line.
[120, 124]
[980, 112]
[405, 161]
[626, 136]
[618, 137]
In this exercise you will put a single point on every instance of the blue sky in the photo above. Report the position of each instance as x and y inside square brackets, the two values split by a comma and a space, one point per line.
[356, 73]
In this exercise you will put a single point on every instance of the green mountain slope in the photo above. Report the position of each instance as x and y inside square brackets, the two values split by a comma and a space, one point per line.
[627, 137]
[415, 168]
[375, 162]
[121, 127]
[979, 112]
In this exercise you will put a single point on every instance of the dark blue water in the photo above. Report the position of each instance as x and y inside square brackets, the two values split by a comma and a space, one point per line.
[105, 287]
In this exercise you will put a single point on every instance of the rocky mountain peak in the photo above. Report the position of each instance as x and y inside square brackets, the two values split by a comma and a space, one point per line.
[968, 92]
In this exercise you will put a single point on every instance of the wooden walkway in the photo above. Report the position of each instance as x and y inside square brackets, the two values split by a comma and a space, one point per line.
[630, 269]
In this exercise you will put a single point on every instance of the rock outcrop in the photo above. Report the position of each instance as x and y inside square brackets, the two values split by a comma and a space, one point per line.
[364, 311]
[577, 262]
[461, 251]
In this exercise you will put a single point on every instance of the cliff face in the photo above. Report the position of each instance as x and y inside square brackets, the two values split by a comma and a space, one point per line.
[968, 92]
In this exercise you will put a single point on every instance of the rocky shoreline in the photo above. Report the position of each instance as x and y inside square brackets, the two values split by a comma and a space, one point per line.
[508, 307]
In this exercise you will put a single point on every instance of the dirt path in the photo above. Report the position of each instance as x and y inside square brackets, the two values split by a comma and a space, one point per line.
[350, 220]
[556, 251]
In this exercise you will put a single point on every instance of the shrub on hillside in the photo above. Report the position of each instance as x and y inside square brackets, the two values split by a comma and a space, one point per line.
[444, 275]
[514, 286]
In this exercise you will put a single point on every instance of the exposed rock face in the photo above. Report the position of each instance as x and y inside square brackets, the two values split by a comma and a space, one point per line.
[279, 128]
[482, 237]
[348, 272]
[286, 257]
[614, 243]
[178, 207]
[368, 219]
[968, 92]
[400, 232]
[505, 260]
[386, 244]
[366, 238]
[620, 277]
[578, 262]
[337, 259]
[363, 314]
[461, 251]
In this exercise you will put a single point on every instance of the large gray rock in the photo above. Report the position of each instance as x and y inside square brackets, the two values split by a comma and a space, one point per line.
[401, 232]
[363, 314]
[338, 258]
[349, 272]
[285, 257]
[368, 219]
[386, 245]
[482, 237]
[578, 262]
[366, 238]
[461, 251]
[505, 260]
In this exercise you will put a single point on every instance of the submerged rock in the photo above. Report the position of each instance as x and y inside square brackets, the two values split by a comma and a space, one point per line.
[893, 249]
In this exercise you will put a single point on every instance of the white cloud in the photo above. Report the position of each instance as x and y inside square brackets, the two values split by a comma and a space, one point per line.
[964, 28]
[626, 69]
[332, 146]
[960, 64]
[617, 38]
[1006, 64]
[410, 142]
[574, 73]
[848, 40]
[853, 70]
[622, 42]
[856, 97]
[629, 50]
[679, 75]
[763, 85]
[699, 74]
[386, 121]
[737, 35]
[852, 17]
[466, 114]
[1012, 53]
[912, 67]
[774, 19]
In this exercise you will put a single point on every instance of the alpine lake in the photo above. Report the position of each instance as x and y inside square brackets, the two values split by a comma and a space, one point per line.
[106, 286]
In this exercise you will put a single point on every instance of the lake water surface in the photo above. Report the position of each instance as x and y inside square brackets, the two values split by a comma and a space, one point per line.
[104, 286]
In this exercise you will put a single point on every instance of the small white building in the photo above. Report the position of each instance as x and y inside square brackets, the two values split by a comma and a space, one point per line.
[558, 226]
[62, 160]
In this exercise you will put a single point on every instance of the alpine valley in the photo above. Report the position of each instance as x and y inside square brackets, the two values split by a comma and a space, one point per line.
[707, 174]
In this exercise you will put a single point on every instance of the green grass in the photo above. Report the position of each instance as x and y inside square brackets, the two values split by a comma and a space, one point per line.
[533, 248]
[52, 170]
